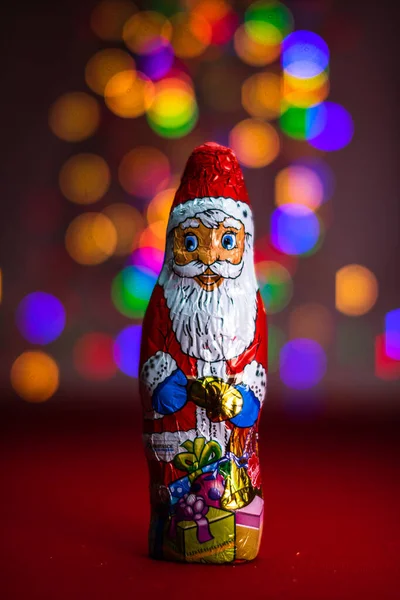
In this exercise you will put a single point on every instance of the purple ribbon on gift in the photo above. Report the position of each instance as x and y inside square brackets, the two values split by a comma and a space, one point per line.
[192, 508]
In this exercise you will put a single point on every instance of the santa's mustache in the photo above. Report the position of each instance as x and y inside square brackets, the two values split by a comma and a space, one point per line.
[224, 268]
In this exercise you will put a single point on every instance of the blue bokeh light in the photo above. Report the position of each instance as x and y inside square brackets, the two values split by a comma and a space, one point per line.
[392, 334]
[329, 126]
[40, 318]
[126, 350]
[302, 364]
[295, 229]
[157, 60]
[304, 54]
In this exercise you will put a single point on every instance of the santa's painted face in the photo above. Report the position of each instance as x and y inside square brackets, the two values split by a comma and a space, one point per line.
[209, 254]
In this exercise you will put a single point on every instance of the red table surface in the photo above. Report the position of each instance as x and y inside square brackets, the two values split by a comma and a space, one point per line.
[74, 507]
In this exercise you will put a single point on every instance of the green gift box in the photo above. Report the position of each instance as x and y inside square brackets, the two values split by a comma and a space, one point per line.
[186, 547]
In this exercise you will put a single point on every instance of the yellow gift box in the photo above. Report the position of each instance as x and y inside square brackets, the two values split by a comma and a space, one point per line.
[186, 547]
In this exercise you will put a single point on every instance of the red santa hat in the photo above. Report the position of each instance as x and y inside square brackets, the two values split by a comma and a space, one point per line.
[212, 180]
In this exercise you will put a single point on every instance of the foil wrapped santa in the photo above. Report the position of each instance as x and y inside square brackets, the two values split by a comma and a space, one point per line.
[203, 372]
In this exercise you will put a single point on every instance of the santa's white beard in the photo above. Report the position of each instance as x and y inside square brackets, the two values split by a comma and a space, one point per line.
[212, 325]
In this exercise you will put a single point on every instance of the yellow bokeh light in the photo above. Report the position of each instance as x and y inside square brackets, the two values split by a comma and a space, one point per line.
[313, 321]
[129, 94]
[298, 185]
[160, 206]
[91, 238]
[191, 34]
[128, 223]
[255, 143]
[104, 65]
[144, 171]
[35, 376]
[109, 17]
[253, 52]
[74, 116]
[141, 30]
[261, 95]
[356, 290]
[84, 178]
[305, 92]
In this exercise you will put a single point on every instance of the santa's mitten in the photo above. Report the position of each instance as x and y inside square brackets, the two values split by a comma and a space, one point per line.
[170, 395]
[251, 407]
[252, 389]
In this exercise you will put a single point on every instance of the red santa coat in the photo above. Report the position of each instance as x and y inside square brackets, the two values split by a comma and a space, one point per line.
[158, 335]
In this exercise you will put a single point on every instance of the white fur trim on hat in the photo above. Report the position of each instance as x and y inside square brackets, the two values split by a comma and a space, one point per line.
[232, 208]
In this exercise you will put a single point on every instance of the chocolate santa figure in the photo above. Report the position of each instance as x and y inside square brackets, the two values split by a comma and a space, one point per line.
[203, 372]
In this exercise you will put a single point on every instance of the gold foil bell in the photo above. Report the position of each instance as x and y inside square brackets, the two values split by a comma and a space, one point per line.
[220, 399]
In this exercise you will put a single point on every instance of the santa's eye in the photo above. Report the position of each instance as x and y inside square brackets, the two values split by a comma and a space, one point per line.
[191, 242]
[228, 241]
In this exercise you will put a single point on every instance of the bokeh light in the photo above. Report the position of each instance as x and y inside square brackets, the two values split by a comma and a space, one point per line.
[304, 54]
[144, 28]
[129, 94]
[127, 350]
[221, 18]
[298, 185]
[276, 285]
[302, 364]
[313, 321]
[144, 171]
[173, 112]
[295, 229]
[129, 224]
[74, 116]
[392, 334]
[154, 236]
[255, 143]
[304, 93]
[322, 170]
[330, 126]
[261, 95]
[93, 356]
[157, 60]
[84, 178]
[386, 368]
[268, 21]
[104, 65]
[149, 258]
[160, 206]
[108, 18]
[191, 34]
[356, 290]
[253, 52]
[276, 340]
[91, 238]
[35, 376]
[40, 318]
[131, 290]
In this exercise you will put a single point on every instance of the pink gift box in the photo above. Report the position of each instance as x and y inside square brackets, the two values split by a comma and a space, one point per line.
[252, 514]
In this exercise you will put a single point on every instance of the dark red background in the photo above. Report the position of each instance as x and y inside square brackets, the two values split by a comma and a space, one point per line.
[75, 509]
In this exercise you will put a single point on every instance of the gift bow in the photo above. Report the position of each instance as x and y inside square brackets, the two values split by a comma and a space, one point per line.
[199, 454]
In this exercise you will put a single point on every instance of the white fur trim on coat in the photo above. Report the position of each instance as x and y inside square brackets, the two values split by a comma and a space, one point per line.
[233, 208]
[255, 377]
[155, 370]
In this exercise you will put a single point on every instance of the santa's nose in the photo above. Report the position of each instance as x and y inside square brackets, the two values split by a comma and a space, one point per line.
[209, 255]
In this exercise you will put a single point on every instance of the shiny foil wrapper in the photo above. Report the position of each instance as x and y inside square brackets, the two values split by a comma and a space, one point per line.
[203, 372]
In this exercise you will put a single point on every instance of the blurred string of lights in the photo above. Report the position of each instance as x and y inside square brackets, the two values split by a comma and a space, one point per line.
[148, 70]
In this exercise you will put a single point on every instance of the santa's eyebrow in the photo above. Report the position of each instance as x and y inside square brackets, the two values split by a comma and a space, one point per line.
[231, 222]
[190, 223]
